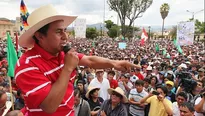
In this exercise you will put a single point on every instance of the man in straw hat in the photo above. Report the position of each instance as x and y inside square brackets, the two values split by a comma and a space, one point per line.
[114, 106]
[94, 101]
[45, 73]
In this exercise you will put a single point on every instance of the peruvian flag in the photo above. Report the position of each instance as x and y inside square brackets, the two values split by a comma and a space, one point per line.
[144, 37]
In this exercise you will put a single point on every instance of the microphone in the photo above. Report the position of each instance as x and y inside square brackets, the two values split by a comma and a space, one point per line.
[66, 48]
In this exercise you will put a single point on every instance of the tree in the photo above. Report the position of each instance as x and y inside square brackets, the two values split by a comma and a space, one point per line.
[164, 11]
[199, 27]
[109, 24]
[173, 32]
[113, 31]
[91, 33]
[131, 9]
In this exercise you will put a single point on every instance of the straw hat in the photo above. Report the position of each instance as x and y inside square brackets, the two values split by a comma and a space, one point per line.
[39, 18]
[120, 91]
[89, 90]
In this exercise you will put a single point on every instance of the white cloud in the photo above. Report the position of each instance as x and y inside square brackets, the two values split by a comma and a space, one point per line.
[93, 10]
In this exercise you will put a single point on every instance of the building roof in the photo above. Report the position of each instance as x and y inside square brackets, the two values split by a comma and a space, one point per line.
[5, 23]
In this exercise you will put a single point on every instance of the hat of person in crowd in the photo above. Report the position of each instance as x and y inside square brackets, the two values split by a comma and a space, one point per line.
[187, 62]
[170, 83]
[201, 70]
[134, 78]
[149, 68]
[170, 72]
[127, 75]
[99, 70]
[162, 72]
[183, 65]
[39, 18]
[90, 89]
[119, 91]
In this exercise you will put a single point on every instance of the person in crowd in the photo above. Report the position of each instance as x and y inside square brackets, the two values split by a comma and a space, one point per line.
[81, 106]
[171, 91]
[81, 87]
[3, 100]
[153, 82]
[114, 106]
[147, 86]
[19, 103]
[125, 83]
[200, 105]
[89, 78]
[180, 99]
[113, 82]
[201, 74]
[101, 82]
[159, 104]
[136, 94]
[186, 109]
[138, 74]
[46, 39]
[94, 101]
[161, 77]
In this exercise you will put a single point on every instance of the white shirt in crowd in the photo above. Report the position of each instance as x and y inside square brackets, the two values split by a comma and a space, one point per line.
[175, 107]
[103, 87]
[197, 102]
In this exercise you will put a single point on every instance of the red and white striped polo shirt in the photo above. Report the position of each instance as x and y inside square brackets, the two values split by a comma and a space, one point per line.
[35, 73]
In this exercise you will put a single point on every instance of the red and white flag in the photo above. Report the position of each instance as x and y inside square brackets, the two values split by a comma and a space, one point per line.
[144, 37]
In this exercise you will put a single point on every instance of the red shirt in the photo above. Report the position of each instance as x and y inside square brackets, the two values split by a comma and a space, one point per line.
[35, 73]
[139, 75]
[113, 84]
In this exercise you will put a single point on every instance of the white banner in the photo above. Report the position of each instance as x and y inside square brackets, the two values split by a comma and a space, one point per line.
[185, 33]
[80, 28]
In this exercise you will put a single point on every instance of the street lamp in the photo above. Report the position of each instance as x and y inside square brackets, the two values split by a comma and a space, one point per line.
[194, 13]
[149, 33]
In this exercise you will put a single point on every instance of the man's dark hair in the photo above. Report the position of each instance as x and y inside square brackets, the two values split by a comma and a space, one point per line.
[183, 94]
[147, 80]
[43, 30]
[190, 106]
[111, 73]
[155, 79]
[164, 89]
[139, 82]
[77, 92]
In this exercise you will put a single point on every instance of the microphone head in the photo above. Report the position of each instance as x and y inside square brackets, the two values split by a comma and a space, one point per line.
[66, 48]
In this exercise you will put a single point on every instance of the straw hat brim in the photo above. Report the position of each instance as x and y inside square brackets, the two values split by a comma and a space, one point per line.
[26, 39]
[110, 90]
[88, 92]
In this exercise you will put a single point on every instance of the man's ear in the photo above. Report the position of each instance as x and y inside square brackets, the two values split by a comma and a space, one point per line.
[38, 35]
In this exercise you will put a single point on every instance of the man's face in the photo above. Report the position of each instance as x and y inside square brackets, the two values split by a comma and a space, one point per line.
[56, 37]
[116, 97]
[139, 88]
[80, 86]
[184, 111]
[201, 74]
[99, 74]
[180, 100]
[4, 71]
[110, 77]
[76, 100]
[160, 91]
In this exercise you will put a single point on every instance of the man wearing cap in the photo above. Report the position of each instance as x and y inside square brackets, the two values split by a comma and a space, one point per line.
[114, 106]
[45, 74]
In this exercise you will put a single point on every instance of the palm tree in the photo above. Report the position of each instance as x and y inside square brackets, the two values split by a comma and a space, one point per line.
[164, 10]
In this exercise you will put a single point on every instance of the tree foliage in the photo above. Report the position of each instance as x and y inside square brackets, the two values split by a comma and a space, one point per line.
[199, 27]
[91, 33]
[130, 9]
[164, 10]
[173, 32]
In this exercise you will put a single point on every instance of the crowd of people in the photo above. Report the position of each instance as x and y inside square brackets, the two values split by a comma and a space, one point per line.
[166, 84]
[98, 78]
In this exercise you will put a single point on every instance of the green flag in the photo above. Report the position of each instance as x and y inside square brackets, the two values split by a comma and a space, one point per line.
[179, 49]
[175, 42]
[93, 44]
[164, 52]
[11, 56]
[157, 47]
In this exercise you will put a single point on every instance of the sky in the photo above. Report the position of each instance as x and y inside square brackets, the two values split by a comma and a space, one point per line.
[93, 10]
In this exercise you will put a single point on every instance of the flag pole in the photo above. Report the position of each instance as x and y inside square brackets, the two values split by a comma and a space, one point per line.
[16, 42]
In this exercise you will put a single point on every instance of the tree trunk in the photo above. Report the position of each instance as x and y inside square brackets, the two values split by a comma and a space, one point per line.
[162, 28]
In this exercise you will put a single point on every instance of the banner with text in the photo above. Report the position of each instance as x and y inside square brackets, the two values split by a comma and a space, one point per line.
[185, 33]
[80, 28]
